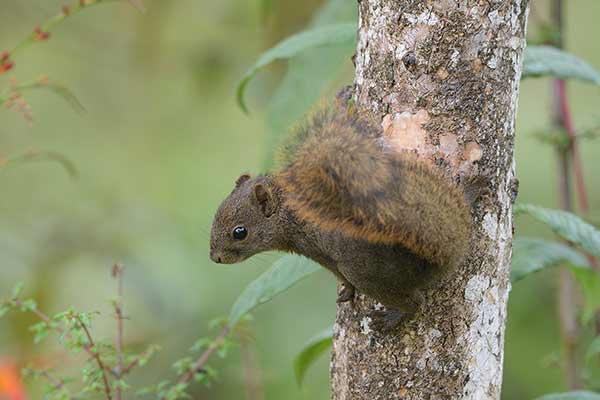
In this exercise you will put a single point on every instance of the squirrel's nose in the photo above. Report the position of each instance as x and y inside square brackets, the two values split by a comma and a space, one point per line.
[215, 257]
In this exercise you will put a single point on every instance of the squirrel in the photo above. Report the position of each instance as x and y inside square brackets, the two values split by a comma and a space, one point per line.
[383, 222]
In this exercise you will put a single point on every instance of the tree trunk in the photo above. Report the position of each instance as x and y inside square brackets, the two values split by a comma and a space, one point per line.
[444, 76]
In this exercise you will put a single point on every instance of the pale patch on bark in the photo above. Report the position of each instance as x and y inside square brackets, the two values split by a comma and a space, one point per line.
[449, 145]
[404, 131]
[473, 152]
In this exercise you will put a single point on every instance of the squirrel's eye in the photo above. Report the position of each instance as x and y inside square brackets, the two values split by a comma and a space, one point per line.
[240, 233]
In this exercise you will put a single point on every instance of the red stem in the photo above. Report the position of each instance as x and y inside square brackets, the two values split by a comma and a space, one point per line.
[573, 149]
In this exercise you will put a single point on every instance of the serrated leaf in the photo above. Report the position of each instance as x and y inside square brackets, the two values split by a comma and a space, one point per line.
[41, 156]
[283, 274]
[532, 254]
[550, 61]
[295, 44]
[566, 225]
[576, 395]
[311, 351]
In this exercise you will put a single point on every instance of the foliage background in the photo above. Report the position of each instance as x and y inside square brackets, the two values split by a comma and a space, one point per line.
[161, 144]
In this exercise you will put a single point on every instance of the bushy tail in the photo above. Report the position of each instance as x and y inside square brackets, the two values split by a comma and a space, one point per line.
[340, 176]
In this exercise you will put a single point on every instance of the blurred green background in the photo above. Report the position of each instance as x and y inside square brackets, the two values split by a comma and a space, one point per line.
[161, 144]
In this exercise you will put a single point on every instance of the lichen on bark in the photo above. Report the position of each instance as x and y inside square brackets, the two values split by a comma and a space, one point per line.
[444, 77]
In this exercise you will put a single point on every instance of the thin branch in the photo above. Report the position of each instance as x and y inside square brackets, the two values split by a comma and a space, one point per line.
[131, 366]
[188, 376]
[45, 318]
[567, 295]
[57, 383]
[569, 127]
[41, 33]
[117, 273]
[39, 314]
[96, 356]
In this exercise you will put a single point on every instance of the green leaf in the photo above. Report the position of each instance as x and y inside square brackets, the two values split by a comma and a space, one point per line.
[18, 290]
[532, 254]
[4, 309]
[295, 44]
[576, 395]
[550, 61]
[41, 156]
[67, 95]
[41, 330]
[593, 350]
[590, 287]
[568, 226]
[54, 87]
[284, 273]
[311, 351]
[311, 76]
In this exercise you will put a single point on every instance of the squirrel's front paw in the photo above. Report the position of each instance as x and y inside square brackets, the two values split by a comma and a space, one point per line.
[387, 320]
[346, 294]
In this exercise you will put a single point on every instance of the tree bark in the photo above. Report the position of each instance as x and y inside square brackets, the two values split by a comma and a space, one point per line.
[444, 76]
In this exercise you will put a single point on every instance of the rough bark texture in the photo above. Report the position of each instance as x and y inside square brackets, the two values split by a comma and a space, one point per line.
[444, 77]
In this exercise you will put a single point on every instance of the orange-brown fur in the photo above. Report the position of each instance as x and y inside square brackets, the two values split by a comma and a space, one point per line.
[342, 177]
[383, 222]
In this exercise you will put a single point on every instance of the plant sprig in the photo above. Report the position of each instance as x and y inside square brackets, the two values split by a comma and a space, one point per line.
[109, 363]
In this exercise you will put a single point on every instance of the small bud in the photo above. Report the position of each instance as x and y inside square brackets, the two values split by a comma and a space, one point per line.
[5, 56]
[66, 10]
[40, 35]
[44, 80]
[82, 3]
[7, 66]
[117, 270]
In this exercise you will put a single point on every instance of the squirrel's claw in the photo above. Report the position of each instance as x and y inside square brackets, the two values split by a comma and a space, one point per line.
[346, 294]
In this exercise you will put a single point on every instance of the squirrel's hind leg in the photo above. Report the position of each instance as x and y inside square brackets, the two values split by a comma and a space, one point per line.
[348, 289]
[347, 292]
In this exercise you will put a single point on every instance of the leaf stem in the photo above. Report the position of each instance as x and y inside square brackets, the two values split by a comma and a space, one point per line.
[567, 290]
[118, 275]
[199, 364]
[96, 356]
[52, 22]
[57, 383]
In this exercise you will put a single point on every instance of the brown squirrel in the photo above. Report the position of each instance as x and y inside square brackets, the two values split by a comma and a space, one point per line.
[383, 222]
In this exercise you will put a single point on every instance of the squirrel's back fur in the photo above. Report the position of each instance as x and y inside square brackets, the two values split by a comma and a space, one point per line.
[339, 174]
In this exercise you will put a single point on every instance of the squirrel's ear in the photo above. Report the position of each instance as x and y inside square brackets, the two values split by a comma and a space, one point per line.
[264, 199]
[241, 179]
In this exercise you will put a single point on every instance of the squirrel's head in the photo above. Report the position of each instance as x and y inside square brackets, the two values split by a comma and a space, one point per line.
[245, 223]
